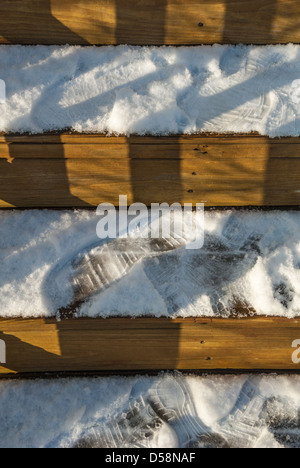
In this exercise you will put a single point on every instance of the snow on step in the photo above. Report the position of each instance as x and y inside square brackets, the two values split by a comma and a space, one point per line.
[50, 260]
[148, 90]
[153, 412]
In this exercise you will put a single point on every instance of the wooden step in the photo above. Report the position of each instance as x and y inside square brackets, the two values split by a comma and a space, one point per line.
[85, 170]
[147, 344]
[156, 22]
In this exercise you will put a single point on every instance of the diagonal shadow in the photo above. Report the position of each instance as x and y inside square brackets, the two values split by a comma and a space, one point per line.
[22, 356]
[158, 16]
[49, 181]
[64, 350]
[15, 171]
[40, 20]
[275, 178]
[36, 182]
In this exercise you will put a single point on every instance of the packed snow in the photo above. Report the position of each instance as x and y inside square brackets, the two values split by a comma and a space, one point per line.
[151, 90]
[249, 259]
[168, 411]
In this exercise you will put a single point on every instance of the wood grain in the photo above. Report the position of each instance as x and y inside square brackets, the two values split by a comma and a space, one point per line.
[153, 22]
[42, 345]
[85, 170]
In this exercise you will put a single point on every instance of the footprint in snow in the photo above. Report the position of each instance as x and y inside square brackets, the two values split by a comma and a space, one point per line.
[166, 402]
[179, 275]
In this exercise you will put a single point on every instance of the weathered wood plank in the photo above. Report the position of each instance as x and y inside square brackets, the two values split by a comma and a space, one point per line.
[85, 170]
[154, 22]
[44, 345]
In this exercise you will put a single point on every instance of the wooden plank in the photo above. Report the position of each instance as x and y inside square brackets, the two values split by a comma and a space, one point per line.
[154, 22]
[85, 170]
[79, 146]
[120, 344]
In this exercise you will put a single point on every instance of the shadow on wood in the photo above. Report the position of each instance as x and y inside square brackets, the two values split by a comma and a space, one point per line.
[39, 182]
[85, 170]
[44, 345]
[149, 22]
[245, 20]
[34, 19]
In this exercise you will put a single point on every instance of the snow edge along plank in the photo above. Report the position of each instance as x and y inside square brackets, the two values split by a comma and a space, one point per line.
[72, 170]
[149, 22]
[146, 344]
